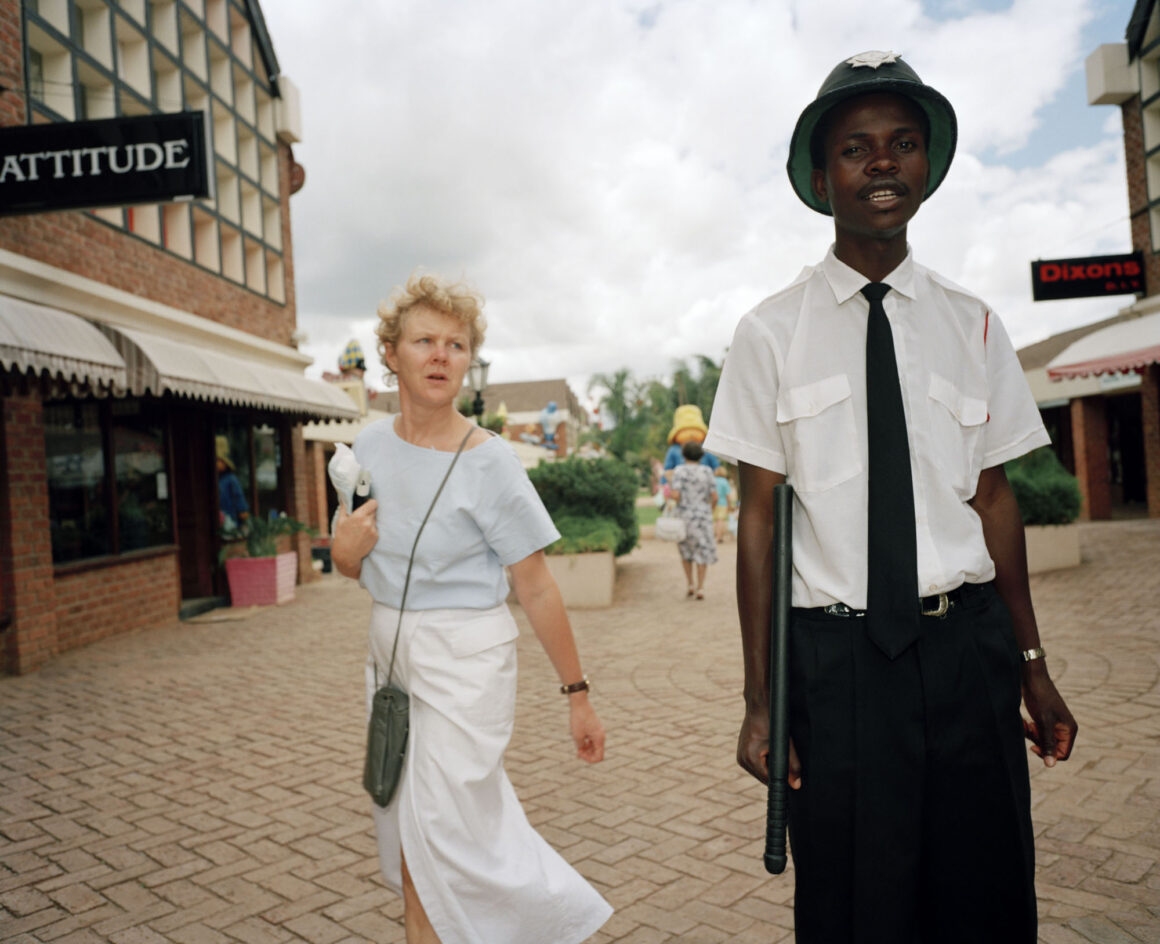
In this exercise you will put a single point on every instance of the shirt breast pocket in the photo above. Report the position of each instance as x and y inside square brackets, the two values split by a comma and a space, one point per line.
[956, 429]
[820, 433]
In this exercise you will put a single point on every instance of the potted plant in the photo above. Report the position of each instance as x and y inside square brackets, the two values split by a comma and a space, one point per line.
[258, 574]
[1049, 503]
[592, 503]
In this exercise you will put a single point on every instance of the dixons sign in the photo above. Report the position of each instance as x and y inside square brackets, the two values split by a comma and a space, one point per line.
[1092, 275]
[113, 161]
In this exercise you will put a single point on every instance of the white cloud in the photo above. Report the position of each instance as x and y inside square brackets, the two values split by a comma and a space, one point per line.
[611, 174]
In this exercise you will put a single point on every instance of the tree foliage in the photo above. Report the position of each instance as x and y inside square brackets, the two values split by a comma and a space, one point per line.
[638, 414]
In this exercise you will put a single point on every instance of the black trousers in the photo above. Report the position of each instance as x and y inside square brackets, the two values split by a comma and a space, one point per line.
[913, 823]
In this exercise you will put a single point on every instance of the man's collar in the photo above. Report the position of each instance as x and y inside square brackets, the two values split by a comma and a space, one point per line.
[846, 282]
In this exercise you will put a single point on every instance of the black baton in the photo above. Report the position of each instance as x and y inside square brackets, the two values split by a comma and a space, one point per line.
[777, 808]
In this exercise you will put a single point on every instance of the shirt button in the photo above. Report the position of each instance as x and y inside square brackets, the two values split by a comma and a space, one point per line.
[932, 587]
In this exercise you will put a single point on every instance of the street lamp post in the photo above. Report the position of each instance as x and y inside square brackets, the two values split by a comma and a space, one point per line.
[477, 373]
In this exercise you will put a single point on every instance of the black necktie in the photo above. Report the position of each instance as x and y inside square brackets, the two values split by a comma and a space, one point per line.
[892, 604]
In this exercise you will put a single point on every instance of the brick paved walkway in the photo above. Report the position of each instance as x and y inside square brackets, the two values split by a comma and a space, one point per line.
[199, 783]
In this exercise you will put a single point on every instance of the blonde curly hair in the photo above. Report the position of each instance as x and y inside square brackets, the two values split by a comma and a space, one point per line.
[425, 289]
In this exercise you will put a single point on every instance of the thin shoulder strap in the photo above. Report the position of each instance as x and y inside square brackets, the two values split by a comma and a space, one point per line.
[411, 561]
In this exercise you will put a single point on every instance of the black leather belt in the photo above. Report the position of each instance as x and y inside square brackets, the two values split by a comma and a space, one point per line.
[937, 604]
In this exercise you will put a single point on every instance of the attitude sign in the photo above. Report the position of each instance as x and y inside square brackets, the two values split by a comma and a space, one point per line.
[1082, 278]
[72, 165]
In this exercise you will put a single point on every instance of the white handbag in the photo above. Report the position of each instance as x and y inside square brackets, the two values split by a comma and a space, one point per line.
[670, 527]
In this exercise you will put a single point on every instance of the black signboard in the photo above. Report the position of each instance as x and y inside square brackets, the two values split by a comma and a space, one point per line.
[71, 165]
[1082, 278]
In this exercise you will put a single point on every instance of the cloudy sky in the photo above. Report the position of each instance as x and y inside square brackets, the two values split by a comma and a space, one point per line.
[611, 173]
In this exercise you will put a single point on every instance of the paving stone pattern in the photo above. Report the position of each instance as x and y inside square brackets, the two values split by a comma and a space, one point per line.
[200, 783]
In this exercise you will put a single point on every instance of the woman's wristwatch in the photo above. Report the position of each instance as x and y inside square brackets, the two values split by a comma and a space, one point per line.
[581, 686]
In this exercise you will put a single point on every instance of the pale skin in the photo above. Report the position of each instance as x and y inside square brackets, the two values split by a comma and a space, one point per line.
[874, 180]
[430, 360]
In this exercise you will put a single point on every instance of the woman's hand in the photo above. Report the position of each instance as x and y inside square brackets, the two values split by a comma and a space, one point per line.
[355, 536]
[587, 731]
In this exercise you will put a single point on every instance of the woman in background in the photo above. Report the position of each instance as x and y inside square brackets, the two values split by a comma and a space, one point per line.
[695, 491]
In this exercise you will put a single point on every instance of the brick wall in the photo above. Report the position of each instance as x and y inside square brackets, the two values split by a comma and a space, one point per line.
[299, 503]
[316, 488]
[11, 64]
[25, 544]
[78, 242]
[1090, 440]
[1137, 180]
[100, 601]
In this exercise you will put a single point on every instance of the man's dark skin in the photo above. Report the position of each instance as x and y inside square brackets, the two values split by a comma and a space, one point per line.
[874, 180]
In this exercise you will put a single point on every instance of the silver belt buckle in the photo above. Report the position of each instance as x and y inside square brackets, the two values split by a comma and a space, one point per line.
[841, 609]
[944, 604]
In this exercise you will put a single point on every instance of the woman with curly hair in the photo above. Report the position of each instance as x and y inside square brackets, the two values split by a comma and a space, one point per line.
[454, 839]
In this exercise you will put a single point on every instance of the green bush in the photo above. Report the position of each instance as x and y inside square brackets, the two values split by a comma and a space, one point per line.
[582, 535]
[1047, 493]
[592, 489]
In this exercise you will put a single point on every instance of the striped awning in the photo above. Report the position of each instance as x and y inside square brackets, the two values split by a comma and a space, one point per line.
[1119, 348]
[158, 365]
[38, 339]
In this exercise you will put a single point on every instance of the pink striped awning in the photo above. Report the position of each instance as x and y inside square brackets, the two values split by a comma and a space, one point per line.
[1112, 364]
[1119, 348]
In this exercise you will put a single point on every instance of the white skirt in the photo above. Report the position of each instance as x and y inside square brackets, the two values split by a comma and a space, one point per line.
[482, 872]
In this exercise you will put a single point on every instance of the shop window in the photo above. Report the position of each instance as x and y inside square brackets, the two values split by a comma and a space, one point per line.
[75, 455]
[268, 470]
[235, 484]
[82, 505]
[249, 464]
[142, 476]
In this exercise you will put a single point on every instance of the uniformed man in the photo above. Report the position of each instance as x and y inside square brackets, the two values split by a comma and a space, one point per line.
[889, 398]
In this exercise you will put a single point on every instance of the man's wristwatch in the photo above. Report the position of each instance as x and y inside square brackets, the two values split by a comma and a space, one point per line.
[1030, 655]
[581, 686]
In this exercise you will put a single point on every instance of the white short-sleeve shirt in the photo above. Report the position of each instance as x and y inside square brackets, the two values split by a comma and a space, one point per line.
[792, 399]
[488, 516]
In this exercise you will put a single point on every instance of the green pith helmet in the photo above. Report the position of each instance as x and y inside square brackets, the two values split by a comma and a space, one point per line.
[864, 74]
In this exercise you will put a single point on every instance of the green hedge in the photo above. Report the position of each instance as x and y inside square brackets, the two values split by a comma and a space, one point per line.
[592, 489]
[582, 535]
[1047, 493]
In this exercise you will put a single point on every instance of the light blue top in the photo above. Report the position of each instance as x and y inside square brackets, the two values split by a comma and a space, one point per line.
[488, 516]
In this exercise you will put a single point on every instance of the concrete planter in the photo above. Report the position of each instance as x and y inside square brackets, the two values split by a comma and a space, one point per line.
[585, 580]
[1051, 547]
[262, 581]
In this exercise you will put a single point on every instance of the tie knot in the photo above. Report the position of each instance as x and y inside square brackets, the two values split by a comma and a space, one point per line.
[875, 291]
